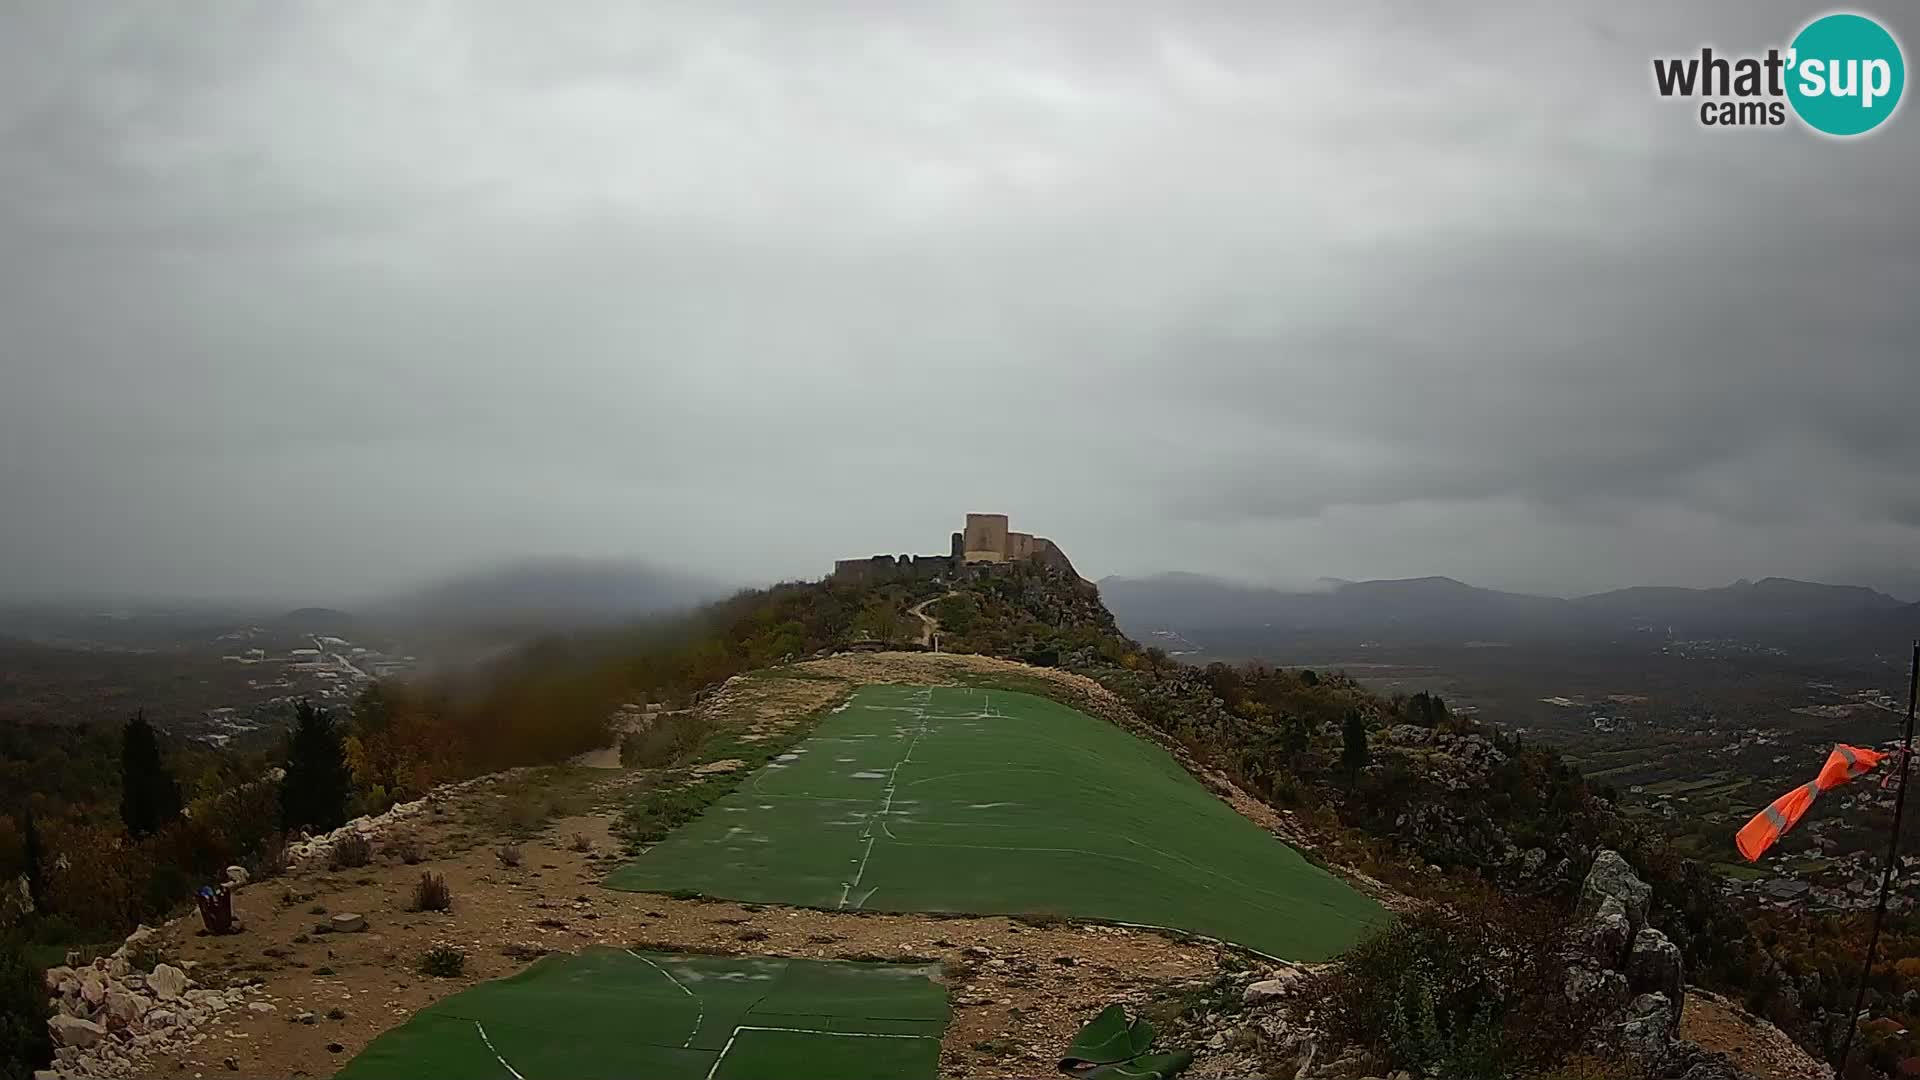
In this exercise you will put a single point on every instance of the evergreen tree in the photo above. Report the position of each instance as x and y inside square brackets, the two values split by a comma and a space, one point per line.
[30, 850]
[149, 795]
[1294, 736]
[318, 783]
[1353, 751]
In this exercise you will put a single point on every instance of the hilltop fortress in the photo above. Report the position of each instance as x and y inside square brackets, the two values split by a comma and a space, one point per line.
[984, 543]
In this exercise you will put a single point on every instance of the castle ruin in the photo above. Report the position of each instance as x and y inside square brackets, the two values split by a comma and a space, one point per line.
[985, 542]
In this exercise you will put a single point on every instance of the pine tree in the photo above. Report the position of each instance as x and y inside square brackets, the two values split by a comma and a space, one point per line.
[1353, 752]
[314, 794]
[35, 859]
[149, 795]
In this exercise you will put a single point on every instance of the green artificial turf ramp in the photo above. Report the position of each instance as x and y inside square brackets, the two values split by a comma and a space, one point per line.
[991, 802]
[618, 1014]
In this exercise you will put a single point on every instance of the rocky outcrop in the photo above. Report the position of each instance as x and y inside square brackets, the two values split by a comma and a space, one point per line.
[1624, 957]
[110, 1017]
[1612, 878]
[1654, 966]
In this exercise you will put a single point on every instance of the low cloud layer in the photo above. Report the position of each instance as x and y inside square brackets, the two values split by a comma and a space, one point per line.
[314, 300]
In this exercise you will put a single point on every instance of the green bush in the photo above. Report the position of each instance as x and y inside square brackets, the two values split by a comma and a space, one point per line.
[443, 962]
[1475, 996]
[658, 813]
[669, 741]
[24, 1045]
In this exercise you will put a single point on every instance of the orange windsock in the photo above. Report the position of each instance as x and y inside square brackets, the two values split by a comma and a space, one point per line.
[1769, 825]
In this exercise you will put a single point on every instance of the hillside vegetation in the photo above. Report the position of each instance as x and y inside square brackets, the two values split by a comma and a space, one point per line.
[1441, 807]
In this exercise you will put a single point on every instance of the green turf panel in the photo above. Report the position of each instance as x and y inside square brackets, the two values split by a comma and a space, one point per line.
[784, 1055]
[991, 802]
[616, 1013]
[425, 1046]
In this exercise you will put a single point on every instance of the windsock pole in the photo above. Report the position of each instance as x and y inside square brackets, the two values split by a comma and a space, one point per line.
[1886, 873]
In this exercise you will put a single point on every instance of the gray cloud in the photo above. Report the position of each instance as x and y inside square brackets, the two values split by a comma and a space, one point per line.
[310, 300]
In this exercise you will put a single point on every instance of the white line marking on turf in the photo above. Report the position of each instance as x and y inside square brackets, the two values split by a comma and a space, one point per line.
[715, 1070]
[698, 1003]
[496, 1054]
[886, 807]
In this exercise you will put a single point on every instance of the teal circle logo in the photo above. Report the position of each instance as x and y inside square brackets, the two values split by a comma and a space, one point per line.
[1845, 74]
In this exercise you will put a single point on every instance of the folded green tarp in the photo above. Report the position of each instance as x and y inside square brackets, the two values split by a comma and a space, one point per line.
[1114, 1048]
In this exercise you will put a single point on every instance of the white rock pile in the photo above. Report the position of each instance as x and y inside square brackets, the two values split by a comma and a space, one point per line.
[371, 827]
[110, 1018]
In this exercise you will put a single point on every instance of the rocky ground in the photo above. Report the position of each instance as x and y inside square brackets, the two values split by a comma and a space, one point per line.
[327, 957]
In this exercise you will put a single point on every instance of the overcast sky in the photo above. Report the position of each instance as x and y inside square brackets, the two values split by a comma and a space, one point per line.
[312, 300]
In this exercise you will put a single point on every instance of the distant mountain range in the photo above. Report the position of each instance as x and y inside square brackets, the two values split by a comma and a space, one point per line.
[1440, 609]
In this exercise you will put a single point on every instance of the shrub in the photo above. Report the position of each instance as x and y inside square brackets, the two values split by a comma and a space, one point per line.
[581, 843]
[670, 740]
[94, 880]
[350, 851]
[24, 1045]
[406, 849]
[508, 854]
[659, 812]
[271, 860]
[1477, 995]
[443, 961]
[431, 893]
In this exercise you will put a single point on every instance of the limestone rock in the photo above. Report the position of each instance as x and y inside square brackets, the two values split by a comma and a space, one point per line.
[1265, 990]
[1531, 860]
[1655, 966]
[167, 982]
[1689, 1061]
[1610, 932]
[237, 876]
[1599, 989]
[56, 977]
[122, 1008]
[75, 1032]
[1648, 1027]
[1612, 876]
[347, 923]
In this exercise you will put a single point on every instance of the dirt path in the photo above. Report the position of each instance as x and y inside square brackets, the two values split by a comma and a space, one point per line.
[1019, 990]
[1756, 1046]
[929, 625]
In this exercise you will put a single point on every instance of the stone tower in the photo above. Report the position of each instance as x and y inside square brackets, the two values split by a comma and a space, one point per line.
[985, 539]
